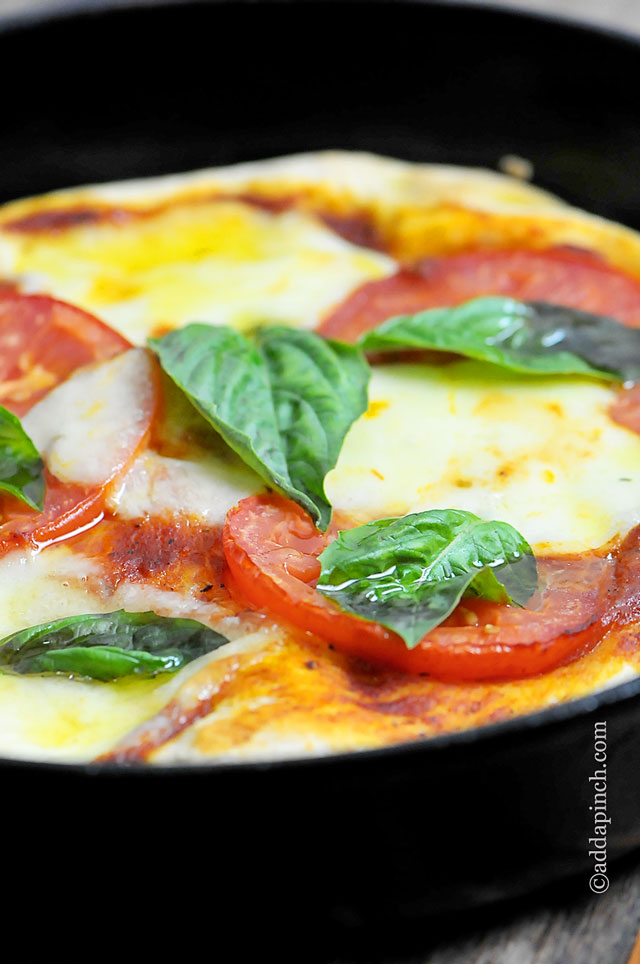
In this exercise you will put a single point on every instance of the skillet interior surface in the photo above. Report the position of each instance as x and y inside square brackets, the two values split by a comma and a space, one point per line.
[136, 92]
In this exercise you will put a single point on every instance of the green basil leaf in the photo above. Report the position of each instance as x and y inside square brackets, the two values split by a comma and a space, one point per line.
[531, 337]
[106, 646]
[283, 401]
[103, 662]
[410, 573]
[21, 468]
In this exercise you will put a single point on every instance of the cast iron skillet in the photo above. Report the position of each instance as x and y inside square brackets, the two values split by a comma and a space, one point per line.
[370, 840]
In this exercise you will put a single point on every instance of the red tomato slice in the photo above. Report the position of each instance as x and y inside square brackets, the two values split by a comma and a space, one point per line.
[68, 509]
[95, 425]
[272, 548]
[42, 341]
[564, 276]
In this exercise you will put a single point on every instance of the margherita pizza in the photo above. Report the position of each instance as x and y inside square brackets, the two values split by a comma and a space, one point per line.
[310, 455]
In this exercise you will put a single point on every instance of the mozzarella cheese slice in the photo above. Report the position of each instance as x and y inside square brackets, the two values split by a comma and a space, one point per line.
[540, 453]
[87, 428]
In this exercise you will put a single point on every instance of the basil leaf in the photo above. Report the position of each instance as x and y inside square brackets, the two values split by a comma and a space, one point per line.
[531, 337]
[409, 574]
[283, 401]
[319, 389]
[21, 468]
[106, 646]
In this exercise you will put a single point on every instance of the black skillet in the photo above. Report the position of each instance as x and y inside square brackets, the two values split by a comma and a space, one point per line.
[378, 839]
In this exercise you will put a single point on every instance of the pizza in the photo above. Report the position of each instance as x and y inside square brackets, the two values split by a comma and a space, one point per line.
[311, 455]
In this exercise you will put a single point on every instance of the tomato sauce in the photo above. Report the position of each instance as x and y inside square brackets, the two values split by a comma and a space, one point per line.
[56, 220]
[176, 555]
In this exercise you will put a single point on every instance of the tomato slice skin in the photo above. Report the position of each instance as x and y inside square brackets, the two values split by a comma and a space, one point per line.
[68, 509]
[272, 548]
[564, 276]
[42, 341]
[77, 503]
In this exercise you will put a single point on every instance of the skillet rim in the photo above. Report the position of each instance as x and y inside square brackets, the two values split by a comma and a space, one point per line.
[60, 10]
[550, 718]
[620, 695]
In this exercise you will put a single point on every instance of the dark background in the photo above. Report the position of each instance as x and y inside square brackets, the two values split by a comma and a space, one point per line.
[136, 96]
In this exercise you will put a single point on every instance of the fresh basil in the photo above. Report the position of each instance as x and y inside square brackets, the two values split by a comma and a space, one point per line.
[532, 337]
[106, 646]
[410, 573]
[283, 399]
[21, 468]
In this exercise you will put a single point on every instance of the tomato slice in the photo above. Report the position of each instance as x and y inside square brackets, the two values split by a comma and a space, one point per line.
[68, 509]
[272, 548]
[564, 276]
[42, 341]
[90, 429]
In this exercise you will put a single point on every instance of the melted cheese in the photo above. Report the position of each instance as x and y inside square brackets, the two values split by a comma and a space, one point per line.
[88, 427]
[203, 487]
[219, 262]
[194, 474]
[539, 453]
[52, 717]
